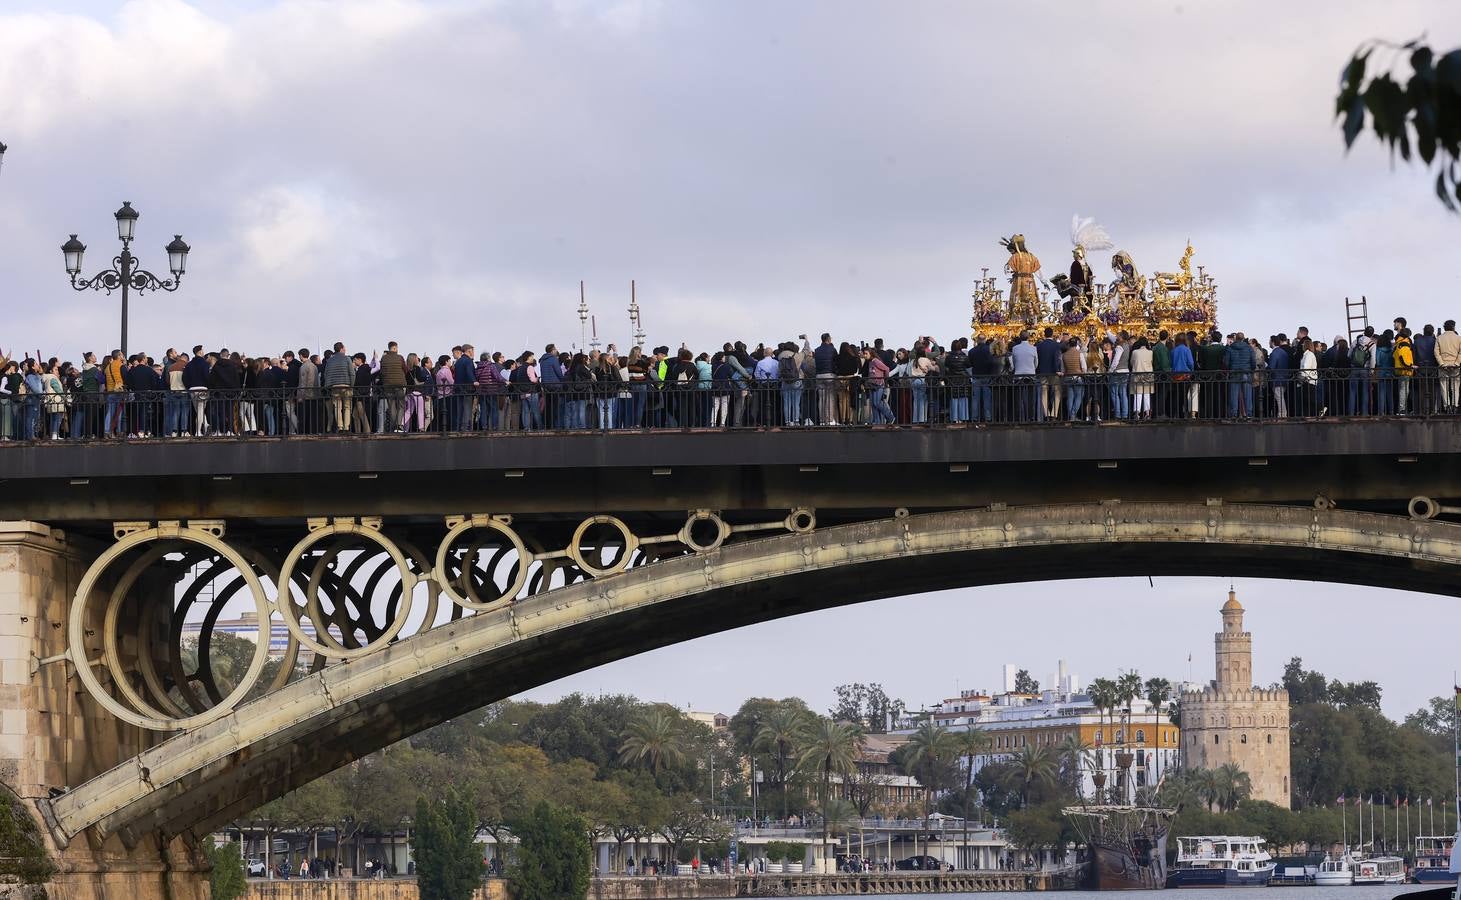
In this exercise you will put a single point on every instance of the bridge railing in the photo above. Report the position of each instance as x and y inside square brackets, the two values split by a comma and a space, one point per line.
[934, 401]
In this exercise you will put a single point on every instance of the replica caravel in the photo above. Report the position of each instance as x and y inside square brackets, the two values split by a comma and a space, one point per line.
[1126, 843]
[1175, 302]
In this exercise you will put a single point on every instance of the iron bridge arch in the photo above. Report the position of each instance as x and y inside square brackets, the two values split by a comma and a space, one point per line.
[245, 756]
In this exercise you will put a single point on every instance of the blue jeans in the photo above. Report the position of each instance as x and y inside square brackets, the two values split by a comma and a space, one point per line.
[882, 414]
[982, 409]
[487, 412]
[634, 417]
[1120, 399]
[531, 418]
[175, 413]
[791, 403]
[1240, 388]
[959, 407]
[1384, 387]
[1075, 396]
[31, 420]
[920, 401]
[114, 415]
[1359, 392]
[606, 410]
[7, 418]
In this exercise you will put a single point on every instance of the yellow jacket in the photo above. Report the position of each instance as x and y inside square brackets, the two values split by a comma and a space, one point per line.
[1404, 358]
[113, 370]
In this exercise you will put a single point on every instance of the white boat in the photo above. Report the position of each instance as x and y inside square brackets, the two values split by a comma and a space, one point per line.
[1379, 870]
[1221, 861]
[1335, 871]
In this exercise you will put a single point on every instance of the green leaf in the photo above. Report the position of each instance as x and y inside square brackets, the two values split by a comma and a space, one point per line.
[1420, 61]
[1448, 70]
[1354, 120]
[1354, 72]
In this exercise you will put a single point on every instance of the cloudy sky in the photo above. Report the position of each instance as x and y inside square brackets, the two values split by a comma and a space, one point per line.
[439, 171]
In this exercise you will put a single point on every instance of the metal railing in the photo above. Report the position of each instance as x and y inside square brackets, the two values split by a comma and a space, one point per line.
[1261, 396]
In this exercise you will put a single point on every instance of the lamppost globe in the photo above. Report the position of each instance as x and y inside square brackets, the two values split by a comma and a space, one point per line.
[72, 251]
[126, 222]
[177, 256]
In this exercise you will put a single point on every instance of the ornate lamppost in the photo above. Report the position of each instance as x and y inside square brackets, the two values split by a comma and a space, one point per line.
[125, 273]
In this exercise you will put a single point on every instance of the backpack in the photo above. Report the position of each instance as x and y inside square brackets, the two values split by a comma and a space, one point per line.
[786, 368]
[1360, 356]
[91, 380]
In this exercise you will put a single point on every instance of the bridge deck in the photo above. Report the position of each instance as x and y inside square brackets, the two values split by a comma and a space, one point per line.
[1361, 463]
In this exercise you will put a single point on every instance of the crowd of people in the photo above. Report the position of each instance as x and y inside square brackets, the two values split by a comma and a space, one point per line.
[1035, 377]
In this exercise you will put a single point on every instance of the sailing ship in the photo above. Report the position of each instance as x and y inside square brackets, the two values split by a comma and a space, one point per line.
[1126, 846]
[1126, 843]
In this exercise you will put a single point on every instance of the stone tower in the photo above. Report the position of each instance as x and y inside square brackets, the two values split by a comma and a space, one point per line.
[1234, 648]
[1231, 721]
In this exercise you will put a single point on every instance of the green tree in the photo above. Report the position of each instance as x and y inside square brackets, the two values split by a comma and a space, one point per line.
[1033, 766]
[1158, 692]
[1076, 757]
[781, 732]
[552, 861]
[225, 871]
[830, 748]
[928, 756]
[1435, 718]
[1024, 684]
[652, 739]
[867, 705]
[448, 861]
[1233, 786]
[1423, 110]
[968, 745]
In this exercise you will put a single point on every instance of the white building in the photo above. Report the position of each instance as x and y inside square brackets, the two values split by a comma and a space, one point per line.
[1015, 721]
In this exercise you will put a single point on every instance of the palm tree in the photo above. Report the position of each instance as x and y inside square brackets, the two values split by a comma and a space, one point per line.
[1103, 696]
[829, 748]
[1031, 765]
[653, 739]
[1075, 757]
[1205, 781]
[969, 744]
[929, 746]
[780, 734]
[1158, 691]
[1233, 786]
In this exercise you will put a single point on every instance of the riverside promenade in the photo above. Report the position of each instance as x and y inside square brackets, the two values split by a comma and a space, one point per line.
[706, 886]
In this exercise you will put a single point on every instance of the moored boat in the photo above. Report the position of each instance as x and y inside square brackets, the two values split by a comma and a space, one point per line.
[1335, 871]
[1433, 859]
[1379, 870]
[1126, 846]
[1221, 861]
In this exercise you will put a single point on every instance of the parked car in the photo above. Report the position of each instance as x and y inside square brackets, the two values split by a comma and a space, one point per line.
[255, 867]
[919, 863]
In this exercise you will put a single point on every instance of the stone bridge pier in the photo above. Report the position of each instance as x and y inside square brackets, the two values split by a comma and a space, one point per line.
[53, 736]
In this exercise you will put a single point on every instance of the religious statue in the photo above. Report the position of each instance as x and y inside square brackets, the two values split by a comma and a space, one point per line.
[1025, 305]
[1128, 291]
[1085, 235]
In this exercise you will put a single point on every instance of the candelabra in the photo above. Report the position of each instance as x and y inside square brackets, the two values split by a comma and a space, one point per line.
[125, 273]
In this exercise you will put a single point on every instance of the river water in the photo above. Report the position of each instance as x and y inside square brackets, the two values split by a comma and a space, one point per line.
[1357, 892]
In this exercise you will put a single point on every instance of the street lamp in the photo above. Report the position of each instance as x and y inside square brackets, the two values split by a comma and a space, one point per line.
[124, 273]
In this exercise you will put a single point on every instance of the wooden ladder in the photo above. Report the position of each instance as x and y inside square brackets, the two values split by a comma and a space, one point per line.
[1357, 314]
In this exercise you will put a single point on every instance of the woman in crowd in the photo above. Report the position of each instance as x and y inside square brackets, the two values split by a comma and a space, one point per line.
[1141, 379]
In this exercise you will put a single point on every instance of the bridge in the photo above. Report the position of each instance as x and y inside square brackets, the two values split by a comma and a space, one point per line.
[431, 576]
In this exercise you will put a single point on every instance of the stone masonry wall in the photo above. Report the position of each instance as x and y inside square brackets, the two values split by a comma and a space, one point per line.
[53, 736]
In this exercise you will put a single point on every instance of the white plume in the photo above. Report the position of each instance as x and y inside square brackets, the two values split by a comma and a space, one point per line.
[1089, 233]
